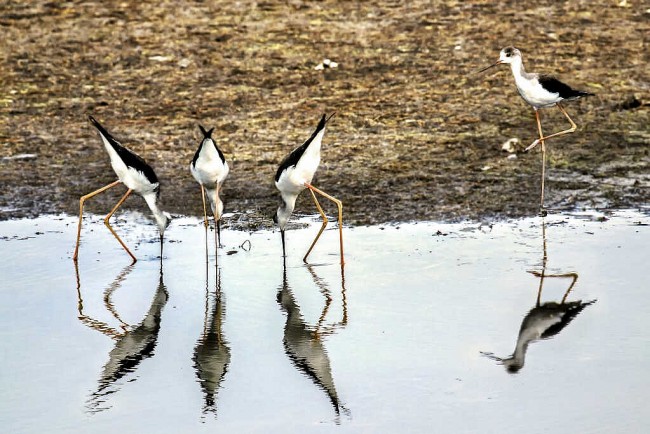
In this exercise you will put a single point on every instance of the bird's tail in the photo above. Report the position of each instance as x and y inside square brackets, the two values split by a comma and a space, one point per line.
[581, 93]
[207, 134]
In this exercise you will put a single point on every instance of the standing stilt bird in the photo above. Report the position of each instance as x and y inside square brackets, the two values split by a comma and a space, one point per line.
[210, 169]
[540, 91]
[137, 176]
[294, 175]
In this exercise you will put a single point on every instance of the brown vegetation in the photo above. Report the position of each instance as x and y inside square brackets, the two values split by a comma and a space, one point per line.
[417, 134]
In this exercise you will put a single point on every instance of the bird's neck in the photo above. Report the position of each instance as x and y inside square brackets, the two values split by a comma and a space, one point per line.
[286, 209]
[159, 215]
[517, 68]
[209, 149]
[520, 351]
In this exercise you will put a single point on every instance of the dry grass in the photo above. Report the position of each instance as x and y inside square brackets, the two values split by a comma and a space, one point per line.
[417, 135]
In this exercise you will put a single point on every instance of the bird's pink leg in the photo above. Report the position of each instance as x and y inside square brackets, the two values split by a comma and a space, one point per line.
[339, 205]
[108, 225]
[570, 130]
[322, 228]
[540, 140]
[205, 212]
[83, 199]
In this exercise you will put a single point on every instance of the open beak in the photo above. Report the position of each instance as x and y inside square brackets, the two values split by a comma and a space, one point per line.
[498, 62]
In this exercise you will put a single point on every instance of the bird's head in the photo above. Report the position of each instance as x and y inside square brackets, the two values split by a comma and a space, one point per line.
[163, 220]
[508, 55]
[513, 365]
[281, 216]
[218, 208]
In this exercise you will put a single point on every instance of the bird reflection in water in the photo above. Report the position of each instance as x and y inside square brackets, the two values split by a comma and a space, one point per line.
[303, 343]
[544, 320]
[133, 344]
[212, 353]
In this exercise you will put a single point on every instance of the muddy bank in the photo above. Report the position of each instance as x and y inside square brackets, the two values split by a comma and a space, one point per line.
[417, 135]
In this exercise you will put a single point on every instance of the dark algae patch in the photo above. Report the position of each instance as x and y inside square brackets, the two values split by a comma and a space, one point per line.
[417, 133]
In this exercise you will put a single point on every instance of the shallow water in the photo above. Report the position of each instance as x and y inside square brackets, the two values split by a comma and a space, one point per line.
[408, 339]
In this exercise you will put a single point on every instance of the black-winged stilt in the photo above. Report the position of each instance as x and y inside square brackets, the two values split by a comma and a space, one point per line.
[540, 91]
[294, 175]
[133, 343]
[303, 342]
[137, 176]
[210, 169]
[212, 351]
[544, 320]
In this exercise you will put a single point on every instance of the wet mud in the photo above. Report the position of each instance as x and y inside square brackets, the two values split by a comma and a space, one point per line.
[417, 134]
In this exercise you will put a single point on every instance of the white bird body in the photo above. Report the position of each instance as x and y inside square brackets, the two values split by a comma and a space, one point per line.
[210, 169]
[134, 173]
[293, 179]
[296, 171]
[532, 91]
[131, 177]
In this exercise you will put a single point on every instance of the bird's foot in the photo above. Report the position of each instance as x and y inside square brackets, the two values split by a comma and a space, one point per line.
[543, 212]
[532, 145]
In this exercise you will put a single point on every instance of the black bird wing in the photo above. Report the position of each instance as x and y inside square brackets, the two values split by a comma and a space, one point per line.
[130, 158]
[293, 158]
[570, 311]
[565, 91]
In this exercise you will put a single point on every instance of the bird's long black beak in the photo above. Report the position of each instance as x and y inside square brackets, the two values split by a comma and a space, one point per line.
[284, 252]
[218, 233]
[498, 62]
[162, 239]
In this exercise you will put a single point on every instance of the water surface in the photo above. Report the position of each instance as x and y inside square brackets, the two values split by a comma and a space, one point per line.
[410, 337]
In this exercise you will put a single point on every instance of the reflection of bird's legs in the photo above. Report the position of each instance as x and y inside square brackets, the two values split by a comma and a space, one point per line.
[320, 330]
[81, 211]
[88, 321]
[344, 319]
[544, 260]
[541, 285]
[112, 288]
[207, 290]
[108, 225]
[573, 276]
[339, 205]
[326, 293]
[219, 308]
